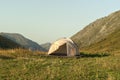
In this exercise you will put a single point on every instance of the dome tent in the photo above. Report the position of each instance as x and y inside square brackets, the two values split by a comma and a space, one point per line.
[64, 47]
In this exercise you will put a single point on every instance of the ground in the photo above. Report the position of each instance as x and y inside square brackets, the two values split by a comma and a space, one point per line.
[27, 65]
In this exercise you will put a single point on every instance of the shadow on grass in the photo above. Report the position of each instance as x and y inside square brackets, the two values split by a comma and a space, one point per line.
[82, 54]
[5, 57]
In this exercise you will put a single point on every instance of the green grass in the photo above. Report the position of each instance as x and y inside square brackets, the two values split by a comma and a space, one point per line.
[110, 44]
[26, 65]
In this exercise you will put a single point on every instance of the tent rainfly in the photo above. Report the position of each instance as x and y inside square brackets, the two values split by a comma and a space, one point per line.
[64, 47]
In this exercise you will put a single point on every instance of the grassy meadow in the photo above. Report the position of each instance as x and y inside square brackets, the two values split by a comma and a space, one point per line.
[26, 65]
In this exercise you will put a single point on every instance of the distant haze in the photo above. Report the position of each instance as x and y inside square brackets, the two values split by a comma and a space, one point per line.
[47, 20]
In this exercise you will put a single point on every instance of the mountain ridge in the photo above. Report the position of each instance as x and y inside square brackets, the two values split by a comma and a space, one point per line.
[6, 43]
[23, 41]
[46, 46]
[97, 30]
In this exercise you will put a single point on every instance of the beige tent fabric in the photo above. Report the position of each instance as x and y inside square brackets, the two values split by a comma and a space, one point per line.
[64, 46]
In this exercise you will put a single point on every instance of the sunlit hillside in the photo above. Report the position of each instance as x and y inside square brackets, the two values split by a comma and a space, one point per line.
[110, 44]
[102, 34]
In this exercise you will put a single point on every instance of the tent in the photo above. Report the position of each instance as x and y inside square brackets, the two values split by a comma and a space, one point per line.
[64, 47]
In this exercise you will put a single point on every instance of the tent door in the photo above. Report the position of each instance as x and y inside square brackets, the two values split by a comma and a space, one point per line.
[70, 50]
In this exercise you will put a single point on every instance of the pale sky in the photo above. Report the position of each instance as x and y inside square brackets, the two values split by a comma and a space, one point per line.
[47, 20]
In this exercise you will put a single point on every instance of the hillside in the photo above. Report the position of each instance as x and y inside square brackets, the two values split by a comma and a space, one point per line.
[98, 31]
[7, 43]
[109, 44]
[24, 42]
[46, 46]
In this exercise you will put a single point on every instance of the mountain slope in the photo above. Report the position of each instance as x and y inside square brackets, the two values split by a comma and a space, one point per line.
[24, 42]
[46, 46]
[110, 44]
[98, 30]
[7, 43]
